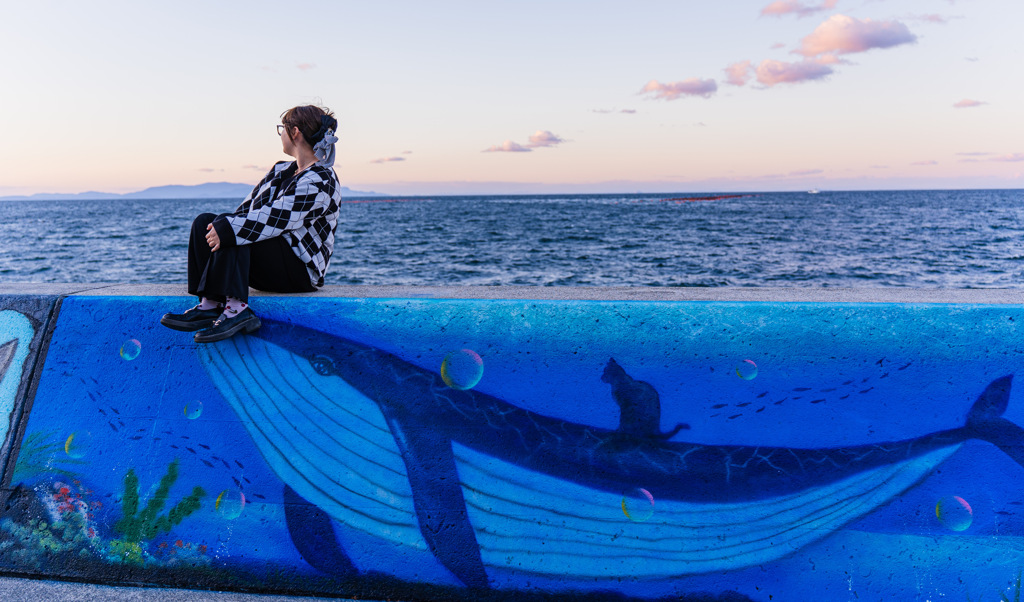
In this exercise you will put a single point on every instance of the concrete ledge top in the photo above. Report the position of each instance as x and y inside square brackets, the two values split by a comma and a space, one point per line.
[754, 294]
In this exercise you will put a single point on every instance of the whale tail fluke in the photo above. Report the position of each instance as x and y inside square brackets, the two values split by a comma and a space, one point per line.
[985, 420]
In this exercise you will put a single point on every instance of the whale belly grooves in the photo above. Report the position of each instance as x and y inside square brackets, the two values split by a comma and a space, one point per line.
[333, 446]
[319, 435]
[548, 526]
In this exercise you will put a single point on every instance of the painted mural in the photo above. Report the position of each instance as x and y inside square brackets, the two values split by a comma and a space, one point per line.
[455, 449]
[23, 321]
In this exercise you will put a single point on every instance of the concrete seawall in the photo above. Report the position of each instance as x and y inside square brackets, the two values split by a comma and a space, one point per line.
[499, 442]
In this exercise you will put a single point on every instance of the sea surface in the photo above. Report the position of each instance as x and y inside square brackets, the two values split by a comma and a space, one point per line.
[925, 239]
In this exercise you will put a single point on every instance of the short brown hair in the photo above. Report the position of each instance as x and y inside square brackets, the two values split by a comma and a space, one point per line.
[310, 119]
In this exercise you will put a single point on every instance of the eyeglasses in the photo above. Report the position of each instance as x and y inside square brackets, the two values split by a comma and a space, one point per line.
[281, 129]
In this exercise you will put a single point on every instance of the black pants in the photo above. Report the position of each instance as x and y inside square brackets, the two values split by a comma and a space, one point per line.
[270, 265]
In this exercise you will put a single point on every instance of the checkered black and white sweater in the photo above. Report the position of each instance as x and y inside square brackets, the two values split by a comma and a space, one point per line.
[304, 212]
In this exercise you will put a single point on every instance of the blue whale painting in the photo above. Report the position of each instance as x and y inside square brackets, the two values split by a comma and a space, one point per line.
[622, 450]
[386, 448]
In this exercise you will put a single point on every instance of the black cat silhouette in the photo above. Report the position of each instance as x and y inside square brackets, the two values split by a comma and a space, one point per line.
[639, 404]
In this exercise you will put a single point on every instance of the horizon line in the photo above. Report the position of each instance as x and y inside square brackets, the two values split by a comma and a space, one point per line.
[119, 196]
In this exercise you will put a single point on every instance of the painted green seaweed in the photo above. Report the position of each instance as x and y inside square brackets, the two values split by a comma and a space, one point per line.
[137, 526]
[39, 453]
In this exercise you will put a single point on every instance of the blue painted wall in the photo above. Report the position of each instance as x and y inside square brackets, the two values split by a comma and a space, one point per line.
[826, 455]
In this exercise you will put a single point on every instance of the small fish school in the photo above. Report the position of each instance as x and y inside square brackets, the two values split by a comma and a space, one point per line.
[496, 442]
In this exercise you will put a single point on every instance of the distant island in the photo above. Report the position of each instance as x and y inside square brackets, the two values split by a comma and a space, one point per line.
[210, 190]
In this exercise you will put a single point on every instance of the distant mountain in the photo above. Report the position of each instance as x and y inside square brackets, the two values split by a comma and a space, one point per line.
[210, 190]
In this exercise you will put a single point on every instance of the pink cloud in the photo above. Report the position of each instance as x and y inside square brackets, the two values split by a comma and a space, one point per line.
[1011, 158]
[542, 139]
[981, 154]
[607, 111]
[771, 73]
[933, 18]
[841, 34]
[305, 66]
[539, 139]
[256, 167]
[967, 103]
[507, 147]
[628, 111]
[738, 73]
[879, 167]
[388, 159]
[687, 87]
[925, 163]
[781, 8]
[777, 45]
[406, 152]
[806, 172]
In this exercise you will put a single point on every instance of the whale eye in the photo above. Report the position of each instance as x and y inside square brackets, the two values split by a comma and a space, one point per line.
[323, 365]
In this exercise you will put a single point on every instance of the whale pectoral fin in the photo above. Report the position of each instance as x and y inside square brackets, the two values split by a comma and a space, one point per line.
[313, 535]
[437, 497]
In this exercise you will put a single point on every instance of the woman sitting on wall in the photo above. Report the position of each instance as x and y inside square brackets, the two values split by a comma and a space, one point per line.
[280, 238]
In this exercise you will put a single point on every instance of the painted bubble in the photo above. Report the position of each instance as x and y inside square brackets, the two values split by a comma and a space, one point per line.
[462, 369]
[77, 444]
[193, 409]
[638, 504]
[130, 349]
[747, 370]
[230, 503]
[954, 513]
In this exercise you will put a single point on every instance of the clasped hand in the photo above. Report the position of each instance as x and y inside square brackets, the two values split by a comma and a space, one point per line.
[211, 237]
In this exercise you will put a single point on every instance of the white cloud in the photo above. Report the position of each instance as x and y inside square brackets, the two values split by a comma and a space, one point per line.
[738, 73]
[507, 147]
[1011, 158]
[781, 8]
[771, 73]
[841, 34]
[543, 138]
[687, 87]
[539, 139]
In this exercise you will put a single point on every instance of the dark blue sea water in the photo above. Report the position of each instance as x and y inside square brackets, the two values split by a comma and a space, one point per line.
[929, 239]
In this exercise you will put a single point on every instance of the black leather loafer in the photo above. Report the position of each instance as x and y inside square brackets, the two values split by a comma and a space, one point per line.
[225, 327]
[192, 320]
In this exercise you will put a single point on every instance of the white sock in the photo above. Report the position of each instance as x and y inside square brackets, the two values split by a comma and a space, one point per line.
[234, 307]
[205, 304]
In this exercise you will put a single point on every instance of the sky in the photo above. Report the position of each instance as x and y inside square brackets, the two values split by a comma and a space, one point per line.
[517, 97]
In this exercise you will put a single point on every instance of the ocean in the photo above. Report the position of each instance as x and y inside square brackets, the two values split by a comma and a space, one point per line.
[923, 239]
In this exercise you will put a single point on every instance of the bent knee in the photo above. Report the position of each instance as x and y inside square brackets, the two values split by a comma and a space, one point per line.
[202, 220]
